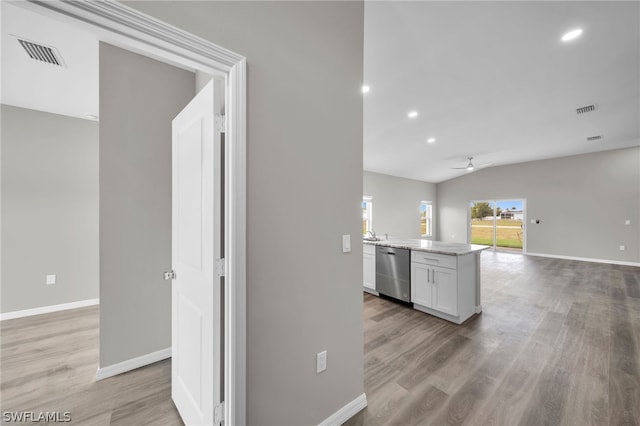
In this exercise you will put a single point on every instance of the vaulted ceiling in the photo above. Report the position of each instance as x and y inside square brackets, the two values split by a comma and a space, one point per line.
[494, 81]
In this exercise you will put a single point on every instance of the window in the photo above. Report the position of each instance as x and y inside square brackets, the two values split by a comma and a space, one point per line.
[426, 219]
[367, 206]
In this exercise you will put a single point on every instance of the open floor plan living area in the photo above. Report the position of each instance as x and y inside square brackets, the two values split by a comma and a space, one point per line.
[320, 213]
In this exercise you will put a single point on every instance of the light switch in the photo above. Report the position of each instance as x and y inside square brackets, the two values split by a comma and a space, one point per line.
[51, 279]
[346, 243]
[622, 248]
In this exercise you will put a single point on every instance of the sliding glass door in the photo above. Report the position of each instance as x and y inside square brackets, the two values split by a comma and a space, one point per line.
[498, 223]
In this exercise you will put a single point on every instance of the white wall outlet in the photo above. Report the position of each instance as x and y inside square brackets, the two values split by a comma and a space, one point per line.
[627, 222]
[321, 362]
[51, 279]
[346, 243]
[533, 221]
[622, 248]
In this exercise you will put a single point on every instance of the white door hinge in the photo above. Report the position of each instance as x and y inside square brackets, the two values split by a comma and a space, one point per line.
[218, 414]
[219, 267]
[220, 123]
[170, 275]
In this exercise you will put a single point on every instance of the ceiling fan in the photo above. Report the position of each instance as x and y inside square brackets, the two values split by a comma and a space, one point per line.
[470, 167]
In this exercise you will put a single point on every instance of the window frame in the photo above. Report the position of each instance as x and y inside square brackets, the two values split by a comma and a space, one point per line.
[368, 218]
[428, 219]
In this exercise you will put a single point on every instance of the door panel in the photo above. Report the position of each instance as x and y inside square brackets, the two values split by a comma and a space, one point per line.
[445, 295]
[196, 295]
[420, 285]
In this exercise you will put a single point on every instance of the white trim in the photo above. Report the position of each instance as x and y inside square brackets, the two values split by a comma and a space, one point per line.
[132, 364]
[584, 259]
[48, 309]
[346, 412]
[130, 29]
[478, 309]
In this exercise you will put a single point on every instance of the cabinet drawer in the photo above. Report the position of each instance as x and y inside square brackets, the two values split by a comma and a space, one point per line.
[369, 249]
[444, 260]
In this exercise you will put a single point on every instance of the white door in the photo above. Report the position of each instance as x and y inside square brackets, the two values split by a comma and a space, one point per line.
[445, 294]
[421, 284]
[196, 301]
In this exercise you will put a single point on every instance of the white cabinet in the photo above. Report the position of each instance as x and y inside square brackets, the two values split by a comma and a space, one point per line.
[369, 268]
[443, 285]
[445, 289]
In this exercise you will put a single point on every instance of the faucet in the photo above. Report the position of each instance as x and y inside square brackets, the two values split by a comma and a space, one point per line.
[372, 233]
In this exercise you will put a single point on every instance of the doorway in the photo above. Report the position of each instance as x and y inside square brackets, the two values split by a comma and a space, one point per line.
[131, 30]
[499, 224]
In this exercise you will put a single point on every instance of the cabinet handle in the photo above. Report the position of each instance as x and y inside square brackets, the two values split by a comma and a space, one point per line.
[428, 280]
[431, 259]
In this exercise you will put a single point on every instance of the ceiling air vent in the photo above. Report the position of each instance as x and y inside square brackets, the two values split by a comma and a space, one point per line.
[585, 109]
[595, 138]
[39, 52]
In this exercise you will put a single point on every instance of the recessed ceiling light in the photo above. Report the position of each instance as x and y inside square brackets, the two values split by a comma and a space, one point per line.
[365, 89]
[431, 140]
[571, 35]
[413, 114]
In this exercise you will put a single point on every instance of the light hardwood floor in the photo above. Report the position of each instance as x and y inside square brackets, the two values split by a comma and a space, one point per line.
[49, 363]
[558, 343]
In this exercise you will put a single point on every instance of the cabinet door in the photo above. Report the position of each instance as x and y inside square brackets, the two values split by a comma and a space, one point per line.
[369, 270]
[445, 289]
[420, 284]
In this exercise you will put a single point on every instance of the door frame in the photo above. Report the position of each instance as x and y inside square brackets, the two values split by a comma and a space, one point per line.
[135, 31]
[495, 201]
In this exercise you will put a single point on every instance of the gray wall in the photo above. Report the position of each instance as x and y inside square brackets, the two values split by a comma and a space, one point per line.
[138, 99]
[49, 209]
[396, 203]
[582, 203]
[304, 191]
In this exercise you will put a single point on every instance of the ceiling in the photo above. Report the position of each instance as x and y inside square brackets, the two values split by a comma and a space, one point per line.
[493, 80]
[489, 80]
[71, 89]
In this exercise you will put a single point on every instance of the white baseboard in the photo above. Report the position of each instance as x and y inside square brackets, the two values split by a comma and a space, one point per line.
[346, 412]
[585, 259]
[48, 309]
[132, 364]
[478, 309]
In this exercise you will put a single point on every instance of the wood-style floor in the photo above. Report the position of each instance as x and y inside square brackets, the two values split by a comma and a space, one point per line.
[558, 343]
[49, 363]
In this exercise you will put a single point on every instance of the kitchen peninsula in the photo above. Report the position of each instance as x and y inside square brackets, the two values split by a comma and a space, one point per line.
[438, 278]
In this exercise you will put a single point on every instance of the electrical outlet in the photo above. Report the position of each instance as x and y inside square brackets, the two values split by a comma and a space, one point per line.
[321, 362]
[627, 222]
[622, 248]
[51, 279]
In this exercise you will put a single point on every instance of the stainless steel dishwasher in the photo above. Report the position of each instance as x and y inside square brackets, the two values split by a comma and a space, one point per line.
[393, 272]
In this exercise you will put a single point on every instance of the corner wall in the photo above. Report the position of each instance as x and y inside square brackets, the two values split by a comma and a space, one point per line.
[49, 209]
[138, 99]
[582, 202]
[396, 204]
[304, 191]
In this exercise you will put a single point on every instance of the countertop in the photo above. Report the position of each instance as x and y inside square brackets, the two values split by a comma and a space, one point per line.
[453, 249]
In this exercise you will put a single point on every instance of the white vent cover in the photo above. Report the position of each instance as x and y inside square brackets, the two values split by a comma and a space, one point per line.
[585, 109]
[41, 53]
[595, 138]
